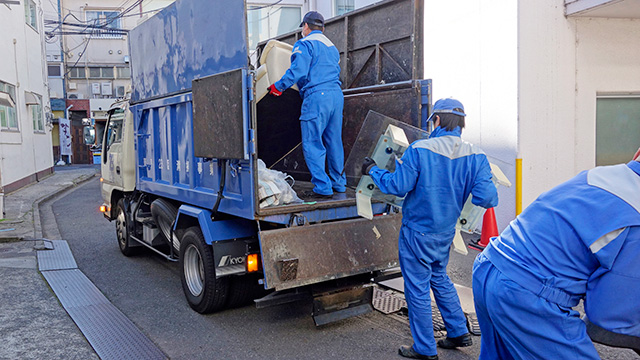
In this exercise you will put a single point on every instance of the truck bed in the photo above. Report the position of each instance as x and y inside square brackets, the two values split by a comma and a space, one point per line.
[345, 199]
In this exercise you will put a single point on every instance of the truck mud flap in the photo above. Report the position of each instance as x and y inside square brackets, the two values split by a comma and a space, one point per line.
[304, 255]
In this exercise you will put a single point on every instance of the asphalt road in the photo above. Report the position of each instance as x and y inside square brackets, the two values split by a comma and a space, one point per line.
[147, 289]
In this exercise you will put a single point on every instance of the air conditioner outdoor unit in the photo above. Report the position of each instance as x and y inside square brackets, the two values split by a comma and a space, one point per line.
[107, 89]
[95, 88]
[72, 86]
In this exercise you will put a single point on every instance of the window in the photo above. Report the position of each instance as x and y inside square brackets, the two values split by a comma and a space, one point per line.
[343, 6]
[114, 130]
[30, 16]
[105, 23]
[34, 107]
[267, 22]
[124, 73]
[617, 129]
[101, 72]
[77, 73]
[8, 118]
[54, 71]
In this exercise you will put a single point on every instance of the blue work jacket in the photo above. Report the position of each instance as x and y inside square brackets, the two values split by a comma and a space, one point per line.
[437, 175]
[314, 65]
[581, 238]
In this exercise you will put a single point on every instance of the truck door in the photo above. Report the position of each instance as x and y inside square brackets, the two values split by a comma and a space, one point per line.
[112, 151]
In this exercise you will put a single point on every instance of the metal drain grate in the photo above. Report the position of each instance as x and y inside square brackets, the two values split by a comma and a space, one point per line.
[472, 324]
[436, 316]
[111, 334]
[57, 259]
[387, 302]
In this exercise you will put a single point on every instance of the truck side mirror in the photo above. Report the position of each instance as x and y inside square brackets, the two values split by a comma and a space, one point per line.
[89, 135]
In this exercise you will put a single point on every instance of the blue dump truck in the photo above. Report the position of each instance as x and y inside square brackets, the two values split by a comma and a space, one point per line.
[181, 156]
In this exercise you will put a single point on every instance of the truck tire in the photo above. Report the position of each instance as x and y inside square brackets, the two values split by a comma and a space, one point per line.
[243, 289]
[122, 230]
[164, 213]
[204, 292]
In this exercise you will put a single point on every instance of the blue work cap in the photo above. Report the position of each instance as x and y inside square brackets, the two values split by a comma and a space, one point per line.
[313, 18]
[447, 105]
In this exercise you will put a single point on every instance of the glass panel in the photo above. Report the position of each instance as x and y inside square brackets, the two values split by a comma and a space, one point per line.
[283, 20]
[373, 128]
[94, 73]
[267, 22]
[124, 72]
[3, 116]
[12, 121]
[54, 70]
[343, 6]
[617, 130]
[34, 18]
[107, 72]
[115, 127]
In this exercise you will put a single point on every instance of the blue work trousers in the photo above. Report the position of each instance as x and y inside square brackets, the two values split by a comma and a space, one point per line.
[321, 124]
[423, 261]
[518, 324]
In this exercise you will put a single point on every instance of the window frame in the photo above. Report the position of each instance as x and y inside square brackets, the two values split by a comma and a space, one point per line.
[10, 113]
[36, 115]
[31, 14]
[104, 34]
[347, 8]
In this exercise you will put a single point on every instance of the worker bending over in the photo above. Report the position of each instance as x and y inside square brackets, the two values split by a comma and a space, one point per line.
[315, 69]
[436, 175]
[580, 240]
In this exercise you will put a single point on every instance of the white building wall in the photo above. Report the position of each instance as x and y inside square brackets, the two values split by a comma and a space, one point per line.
[23, 153]
[564, 63]
[472, 56]
[607, 57]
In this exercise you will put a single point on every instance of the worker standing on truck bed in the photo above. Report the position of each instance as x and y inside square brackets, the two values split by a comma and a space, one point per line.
[315, 69]
[579, 240]
[436, 175]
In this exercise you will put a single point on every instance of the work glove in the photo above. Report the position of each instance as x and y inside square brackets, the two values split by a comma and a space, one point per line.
[367, 165]
[273, 91]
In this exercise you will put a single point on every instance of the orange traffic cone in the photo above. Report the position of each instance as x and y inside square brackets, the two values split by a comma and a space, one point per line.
[489, 227]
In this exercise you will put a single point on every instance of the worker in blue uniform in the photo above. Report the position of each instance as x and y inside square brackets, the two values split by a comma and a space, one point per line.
[579, 240]
[315, 69]
[436, 175]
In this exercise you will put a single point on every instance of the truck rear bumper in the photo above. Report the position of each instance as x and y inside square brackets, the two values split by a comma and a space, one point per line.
[311, 254]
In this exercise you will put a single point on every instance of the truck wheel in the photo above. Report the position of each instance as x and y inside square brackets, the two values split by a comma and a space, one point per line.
[164, 213]
[243, 289]
[204, 292]
[122, 230]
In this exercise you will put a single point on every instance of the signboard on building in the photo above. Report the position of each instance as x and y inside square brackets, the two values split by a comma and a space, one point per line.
[65, 137]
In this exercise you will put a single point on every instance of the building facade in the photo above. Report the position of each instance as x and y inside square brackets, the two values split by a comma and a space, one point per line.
[551, 87]
[25, 128]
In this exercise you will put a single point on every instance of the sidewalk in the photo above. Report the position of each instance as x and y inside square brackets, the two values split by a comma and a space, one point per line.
[33, 324]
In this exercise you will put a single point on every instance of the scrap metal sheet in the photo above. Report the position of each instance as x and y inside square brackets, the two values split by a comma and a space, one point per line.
[329, 251]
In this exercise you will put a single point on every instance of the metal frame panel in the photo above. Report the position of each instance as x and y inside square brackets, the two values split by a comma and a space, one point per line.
[221, 115]
[379, 44]
[305, 255]
[166, 165]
